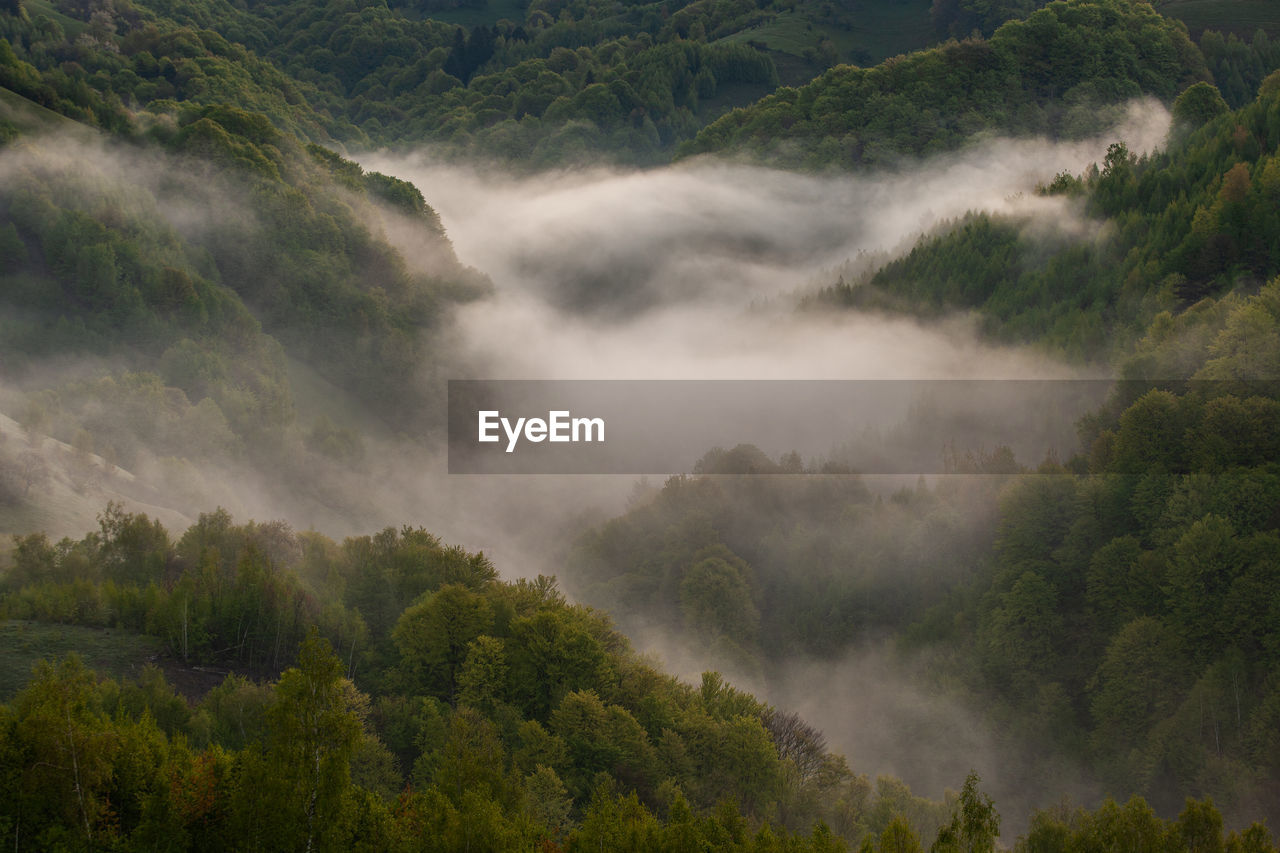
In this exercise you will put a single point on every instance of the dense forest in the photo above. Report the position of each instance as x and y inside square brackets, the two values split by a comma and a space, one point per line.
[481, 712]
[1053, 73]
[1119, 602]
[205, 298]
[427, 706]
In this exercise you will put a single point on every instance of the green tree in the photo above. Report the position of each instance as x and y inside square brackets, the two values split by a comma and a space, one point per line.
[483, 677]
[1198, 104]
[1199, 827]
[1020, 635]
[472, 760]
[548, 802]
[313, 733]
[1204, 560]
[67, 751]
[1137, 683]
[134, 548]
[552, 653]
[974, 825]
[716, 600]
[899, 837]
[434, 637]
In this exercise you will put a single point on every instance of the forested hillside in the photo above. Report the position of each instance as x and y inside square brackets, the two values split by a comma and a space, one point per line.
[483, 713]
[558, 86]
[1051, 74]
[429, 706]
[163, 295]
[551, 83]
[1190, 222]
[1119, 603]
[205, 297]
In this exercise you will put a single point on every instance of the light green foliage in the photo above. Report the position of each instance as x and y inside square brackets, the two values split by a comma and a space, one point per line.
[600, 738]
[548, 802]
[898, 837]
[597, 746]
[483, 677]
[434, 637]
[974, 825]
[313, 733]
[1133, 826]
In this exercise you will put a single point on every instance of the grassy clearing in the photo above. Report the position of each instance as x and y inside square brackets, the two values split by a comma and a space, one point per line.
[871, 31]
[868, 34]
[1242, 17]
[31, 118]
[36, 8]
[119, 654]
[494, 11]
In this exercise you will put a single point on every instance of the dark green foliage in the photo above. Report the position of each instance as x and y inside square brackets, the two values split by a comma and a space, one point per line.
[1239, 65]
[1119, 607]
[1198, 105]
[592, 85]
[1124, 612]
[403, 196]
[591, 80]
[1049, 74]
[1190, 222]
[959, 18]
[1134, 826]
[1131, 588]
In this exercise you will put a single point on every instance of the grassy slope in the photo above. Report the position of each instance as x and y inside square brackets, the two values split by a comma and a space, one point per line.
[119, 654]
[77, 487]
[493, 11]
[31, 118]
[875, 31]
[1242, 17]
[71, 26]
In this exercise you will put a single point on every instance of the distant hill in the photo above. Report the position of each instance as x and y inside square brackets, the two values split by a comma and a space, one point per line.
[1051, 74]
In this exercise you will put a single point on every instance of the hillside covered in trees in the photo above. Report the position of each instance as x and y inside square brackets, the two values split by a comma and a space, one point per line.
[1119, 603]
[543, 84]
[1051, 74]
[203, 293]
[428, 703]
[430, 706]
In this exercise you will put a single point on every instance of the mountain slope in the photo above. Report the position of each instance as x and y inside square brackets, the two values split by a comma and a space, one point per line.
[1051, 74]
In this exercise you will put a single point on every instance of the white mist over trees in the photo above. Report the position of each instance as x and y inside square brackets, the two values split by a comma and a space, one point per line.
[208, 300]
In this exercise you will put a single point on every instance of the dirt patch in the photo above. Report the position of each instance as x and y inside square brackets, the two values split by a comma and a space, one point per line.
[192, 683]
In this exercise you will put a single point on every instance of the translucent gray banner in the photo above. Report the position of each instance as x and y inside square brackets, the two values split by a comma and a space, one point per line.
[665, 427]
